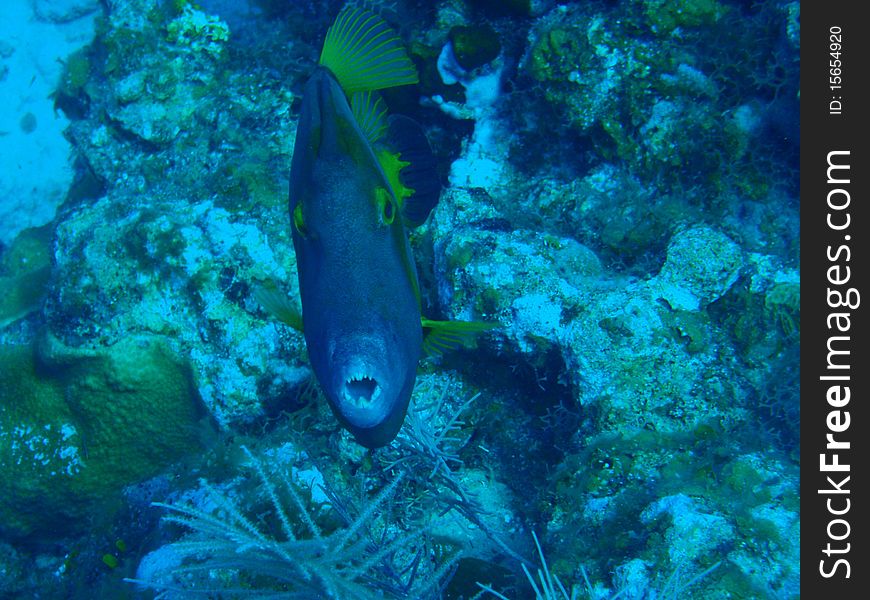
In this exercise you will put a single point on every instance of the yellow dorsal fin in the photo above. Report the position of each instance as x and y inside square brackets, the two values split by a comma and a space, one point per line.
[364, 53]
[370, 113]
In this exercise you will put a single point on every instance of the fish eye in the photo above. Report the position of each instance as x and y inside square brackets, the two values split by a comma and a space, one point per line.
[299, 221]
[385, 206]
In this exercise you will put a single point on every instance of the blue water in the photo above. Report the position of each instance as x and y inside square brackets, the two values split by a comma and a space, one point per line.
[619, 202]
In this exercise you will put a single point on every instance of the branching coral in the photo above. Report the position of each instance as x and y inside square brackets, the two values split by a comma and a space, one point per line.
[549, 587]
[227, 554]
[424, 448]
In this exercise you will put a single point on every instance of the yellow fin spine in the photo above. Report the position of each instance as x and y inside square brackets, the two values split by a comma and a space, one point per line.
[370, 113]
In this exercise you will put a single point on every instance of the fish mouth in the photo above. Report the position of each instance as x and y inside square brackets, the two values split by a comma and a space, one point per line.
[361, 391]
[367, 385]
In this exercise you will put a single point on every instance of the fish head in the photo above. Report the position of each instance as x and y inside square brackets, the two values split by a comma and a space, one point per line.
[368, 377]
[326, 129]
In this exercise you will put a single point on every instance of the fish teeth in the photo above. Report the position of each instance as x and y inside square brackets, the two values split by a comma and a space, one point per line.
[358, 376]
[360, 401]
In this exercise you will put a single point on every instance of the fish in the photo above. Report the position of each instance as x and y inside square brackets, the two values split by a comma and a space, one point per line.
[359, 179]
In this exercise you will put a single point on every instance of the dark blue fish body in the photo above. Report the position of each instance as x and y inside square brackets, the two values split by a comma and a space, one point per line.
[361, 311]
[357, 180]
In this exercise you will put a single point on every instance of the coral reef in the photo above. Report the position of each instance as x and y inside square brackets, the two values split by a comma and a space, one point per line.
[84, 423]
[620, 197]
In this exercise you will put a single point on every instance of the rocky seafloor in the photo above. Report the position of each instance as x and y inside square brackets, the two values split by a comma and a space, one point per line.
[620, 195]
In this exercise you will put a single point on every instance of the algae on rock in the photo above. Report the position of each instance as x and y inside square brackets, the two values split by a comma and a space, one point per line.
[78, 425]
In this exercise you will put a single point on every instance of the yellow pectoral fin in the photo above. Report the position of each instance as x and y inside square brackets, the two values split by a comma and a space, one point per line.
[440, 336]
[277, 304]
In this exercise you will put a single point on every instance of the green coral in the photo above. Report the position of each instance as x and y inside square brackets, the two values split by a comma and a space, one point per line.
[199, 31]
[670, 111]
[24, 273]
[557, 52]
[77, 72]
[600, 74]
[667, 15]
[77, 425]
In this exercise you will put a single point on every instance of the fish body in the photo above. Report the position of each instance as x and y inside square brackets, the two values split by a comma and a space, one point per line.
[360, 310]
[358, 179]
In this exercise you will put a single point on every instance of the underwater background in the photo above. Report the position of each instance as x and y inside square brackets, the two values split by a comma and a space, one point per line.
[620, 195]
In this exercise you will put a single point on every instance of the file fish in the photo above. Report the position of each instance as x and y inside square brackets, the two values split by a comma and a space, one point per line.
[359, 179]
